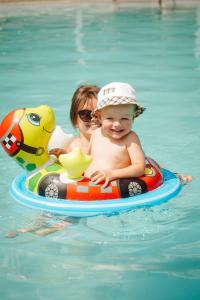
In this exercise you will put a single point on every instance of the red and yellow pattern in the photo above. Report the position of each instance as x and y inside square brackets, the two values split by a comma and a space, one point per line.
[85, 190]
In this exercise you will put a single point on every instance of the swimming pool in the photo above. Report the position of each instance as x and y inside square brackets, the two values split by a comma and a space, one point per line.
[145, 254]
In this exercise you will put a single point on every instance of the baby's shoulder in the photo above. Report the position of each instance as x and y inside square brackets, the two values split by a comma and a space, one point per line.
[132, 134]
[132, 137]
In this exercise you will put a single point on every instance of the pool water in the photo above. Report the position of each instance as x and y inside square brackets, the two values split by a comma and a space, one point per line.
[45, 53]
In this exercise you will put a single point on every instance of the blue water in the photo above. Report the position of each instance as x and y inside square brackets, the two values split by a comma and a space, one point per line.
[45, 53]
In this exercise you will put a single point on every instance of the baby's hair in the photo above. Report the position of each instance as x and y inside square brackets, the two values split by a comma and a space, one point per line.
[84, 94]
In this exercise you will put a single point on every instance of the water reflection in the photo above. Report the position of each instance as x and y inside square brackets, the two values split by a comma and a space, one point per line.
[79, 36]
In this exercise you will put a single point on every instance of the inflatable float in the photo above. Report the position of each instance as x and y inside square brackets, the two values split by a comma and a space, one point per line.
[56, 185]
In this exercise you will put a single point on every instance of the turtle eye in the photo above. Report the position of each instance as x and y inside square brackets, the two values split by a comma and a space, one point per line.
[34, 119]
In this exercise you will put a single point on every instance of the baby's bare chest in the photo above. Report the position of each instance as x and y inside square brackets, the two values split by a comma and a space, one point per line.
[108, 151]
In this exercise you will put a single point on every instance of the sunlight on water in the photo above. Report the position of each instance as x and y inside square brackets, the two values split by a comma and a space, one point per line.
[144, 254]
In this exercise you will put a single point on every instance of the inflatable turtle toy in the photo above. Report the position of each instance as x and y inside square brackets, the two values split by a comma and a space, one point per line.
[25, 134]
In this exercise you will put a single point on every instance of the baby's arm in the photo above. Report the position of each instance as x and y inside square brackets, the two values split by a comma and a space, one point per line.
[135, 169]
[137, 158]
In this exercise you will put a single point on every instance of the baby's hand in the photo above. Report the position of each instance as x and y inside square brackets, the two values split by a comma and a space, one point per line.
[102, 175]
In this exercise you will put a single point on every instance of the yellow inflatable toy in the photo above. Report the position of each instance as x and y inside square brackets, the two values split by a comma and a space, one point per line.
[27, 134]
[24, 135]
[75, 163]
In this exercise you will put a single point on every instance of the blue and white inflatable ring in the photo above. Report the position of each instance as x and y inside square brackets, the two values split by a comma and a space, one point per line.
[166, 191]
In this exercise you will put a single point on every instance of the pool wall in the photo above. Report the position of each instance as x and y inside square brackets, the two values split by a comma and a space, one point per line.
[137, 3]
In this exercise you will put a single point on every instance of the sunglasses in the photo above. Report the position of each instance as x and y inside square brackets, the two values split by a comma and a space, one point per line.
[85, 115]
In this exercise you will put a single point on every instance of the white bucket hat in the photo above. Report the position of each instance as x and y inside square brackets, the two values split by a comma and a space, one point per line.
[116, 93]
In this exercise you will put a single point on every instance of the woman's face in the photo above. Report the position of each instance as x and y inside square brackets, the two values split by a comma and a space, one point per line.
[83, 122]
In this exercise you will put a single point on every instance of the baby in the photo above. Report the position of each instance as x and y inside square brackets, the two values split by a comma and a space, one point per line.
[115, 148]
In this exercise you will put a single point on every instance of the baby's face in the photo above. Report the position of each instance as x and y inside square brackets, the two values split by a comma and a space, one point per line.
[117, 120]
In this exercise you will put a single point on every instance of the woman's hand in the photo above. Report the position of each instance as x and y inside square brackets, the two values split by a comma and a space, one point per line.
[102, 175]
[57, 151]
